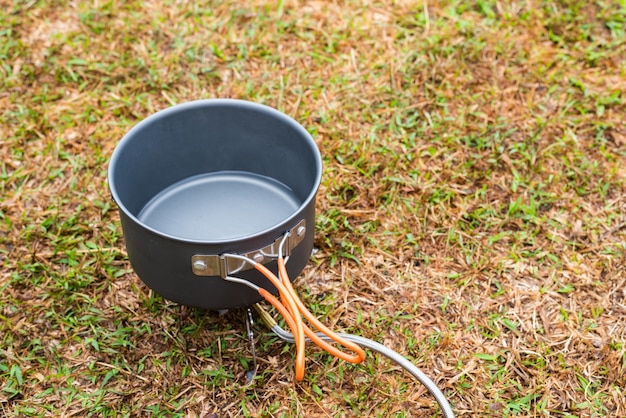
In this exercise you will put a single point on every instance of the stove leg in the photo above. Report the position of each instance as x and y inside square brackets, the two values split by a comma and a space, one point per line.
[249, 323]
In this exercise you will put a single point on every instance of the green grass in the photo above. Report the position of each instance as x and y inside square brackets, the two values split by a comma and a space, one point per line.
[471, 213]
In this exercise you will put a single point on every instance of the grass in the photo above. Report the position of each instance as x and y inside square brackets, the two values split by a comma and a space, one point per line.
[471, 214]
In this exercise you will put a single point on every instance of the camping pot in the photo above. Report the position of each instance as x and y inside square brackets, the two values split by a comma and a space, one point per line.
[212, 177]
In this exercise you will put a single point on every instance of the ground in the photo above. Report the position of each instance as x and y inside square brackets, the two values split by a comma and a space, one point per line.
[471, 214]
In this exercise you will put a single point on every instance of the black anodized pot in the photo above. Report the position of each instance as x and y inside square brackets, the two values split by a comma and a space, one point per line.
[209, 177]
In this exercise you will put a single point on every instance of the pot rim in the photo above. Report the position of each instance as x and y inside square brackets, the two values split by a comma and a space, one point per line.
[207, 103]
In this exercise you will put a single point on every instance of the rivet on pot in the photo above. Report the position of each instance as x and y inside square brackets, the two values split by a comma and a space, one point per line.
[258, 257]
[301, 230]
[199, 265]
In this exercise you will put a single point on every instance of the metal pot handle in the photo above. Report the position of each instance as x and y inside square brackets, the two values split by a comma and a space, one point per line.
[223, 266]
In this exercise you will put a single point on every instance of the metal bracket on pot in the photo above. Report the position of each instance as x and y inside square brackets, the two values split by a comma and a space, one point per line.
[219, 265]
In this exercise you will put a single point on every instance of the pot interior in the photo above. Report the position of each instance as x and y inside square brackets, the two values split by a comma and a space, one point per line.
[215, 170]
[223, 205]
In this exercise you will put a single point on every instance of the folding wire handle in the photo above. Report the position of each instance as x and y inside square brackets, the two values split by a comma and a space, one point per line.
[222, 265]
[292, 309]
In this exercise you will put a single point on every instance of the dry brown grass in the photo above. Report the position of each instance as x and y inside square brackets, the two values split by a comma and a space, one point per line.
[471, 215]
